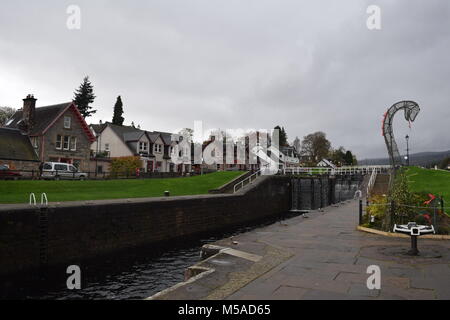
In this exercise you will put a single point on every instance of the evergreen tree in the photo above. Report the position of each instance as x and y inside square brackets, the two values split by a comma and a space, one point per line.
[283, 136]
[118, 112]
[84, 96]
[348, 158]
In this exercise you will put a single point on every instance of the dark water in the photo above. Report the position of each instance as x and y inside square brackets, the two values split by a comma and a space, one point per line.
[134, 274]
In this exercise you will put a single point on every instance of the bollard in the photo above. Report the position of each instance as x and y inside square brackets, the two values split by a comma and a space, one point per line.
[414, 251]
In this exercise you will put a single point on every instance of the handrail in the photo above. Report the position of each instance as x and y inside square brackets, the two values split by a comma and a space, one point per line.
[373, 178]
[32, 199]
[248, 178]
[44, 197]
[334, 171]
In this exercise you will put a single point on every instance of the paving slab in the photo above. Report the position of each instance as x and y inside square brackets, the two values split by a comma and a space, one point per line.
[321, 257]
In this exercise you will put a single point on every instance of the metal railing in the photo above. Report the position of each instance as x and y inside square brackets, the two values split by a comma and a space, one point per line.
[334, 171]
[373, 178]
[248, 179]
[91, 175]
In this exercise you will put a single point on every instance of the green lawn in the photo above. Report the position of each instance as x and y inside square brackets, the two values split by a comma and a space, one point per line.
[436, 182]
[59, 191]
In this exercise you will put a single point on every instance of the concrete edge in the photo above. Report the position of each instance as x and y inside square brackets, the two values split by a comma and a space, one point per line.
[397, 235]
[206, 271]
[274, 256]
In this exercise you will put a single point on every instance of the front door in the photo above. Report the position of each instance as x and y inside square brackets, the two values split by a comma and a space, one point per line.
[149, 166]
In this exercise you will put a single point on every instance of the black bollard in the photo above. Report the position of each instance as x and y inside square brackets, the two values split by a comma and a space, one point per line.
[414, 251]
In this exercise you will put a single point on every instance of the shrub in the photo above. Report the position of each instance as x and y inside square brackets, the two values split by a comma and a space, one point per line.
[125, 165]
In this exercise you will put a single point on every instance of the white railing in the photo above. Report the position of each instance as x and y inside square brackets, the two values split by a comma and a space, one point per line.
[32, 199]
[249, 179]
[335, 171]
[373, 178]
[44, 199]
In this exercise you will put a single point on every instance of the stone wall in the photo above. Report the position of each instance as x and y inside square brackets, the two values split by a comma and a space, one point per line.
[83, 150]
[67, 233]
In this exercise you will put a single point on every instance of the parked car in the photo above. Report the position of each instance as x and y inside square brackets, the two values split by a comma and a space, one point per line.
[7, 174]
[59, 171]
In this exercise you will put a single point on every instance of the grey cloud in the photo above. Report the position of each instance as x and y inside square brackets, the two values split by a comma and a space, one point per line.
[306, 65]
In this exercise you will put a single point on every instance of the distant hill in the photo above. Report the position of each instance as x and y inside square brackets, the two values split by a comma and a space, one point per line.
[424, 159]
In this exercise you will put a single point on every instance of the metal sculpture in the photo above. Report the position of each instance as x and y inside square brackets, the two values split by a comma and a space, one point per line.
[411, 111]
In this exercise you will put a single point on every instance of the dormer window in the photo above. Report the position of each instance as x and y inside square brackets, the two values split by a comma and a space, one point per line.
[143, 146]
[158, 148]
[67, 122]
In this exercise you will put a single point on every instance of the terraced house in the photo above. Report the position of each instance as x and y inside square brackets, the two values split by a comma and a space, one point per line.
[154, 148]
[58, 133]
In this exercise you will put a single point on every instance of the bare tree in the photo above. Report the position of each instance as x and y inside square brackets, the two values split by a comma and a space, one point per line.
[316, 146]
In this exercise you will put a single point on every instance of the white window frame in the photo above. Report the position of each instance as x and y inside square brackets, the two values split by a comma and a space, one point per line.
[60, 142]
[73, 143]
[158, 148]
[68, 143]
[67, 122]
[143, 146]
[107, 147]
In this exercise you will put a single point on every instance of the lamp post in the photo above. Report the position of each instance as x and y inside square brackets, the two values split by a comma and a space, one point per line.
[407, 150]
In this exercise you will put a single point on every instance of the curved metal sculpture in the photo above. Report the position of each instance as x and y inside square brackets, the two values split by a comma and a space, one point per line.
[411, 111]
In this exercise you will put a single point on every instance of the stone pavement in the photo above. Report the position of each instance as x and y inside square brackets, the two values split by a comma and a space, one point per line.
[329, 260]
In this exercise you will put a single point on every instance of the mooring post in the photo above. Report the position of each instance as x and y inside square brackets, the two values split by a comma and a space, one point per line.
[360, 211]
[414, 251]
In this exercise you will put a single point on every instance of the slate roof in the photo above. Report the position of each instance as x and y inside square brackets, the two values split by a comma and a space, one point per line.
[98, 128]
[44, 116]
[128, 133]
[16, 146]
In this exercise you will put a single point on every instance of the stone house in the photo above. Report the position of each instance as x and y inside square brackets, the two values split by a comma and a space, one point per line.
[17, 152]
[58, 133]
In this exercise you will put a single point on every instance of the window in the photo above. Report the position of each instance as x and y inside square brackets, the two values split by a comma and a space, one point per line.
[73, 143]
[107, 147]
[59, 142]
[73, 169]
[66, 142]
[143, 146]
[47, 166]
[158, 148]
[67, 122]
[61, 167]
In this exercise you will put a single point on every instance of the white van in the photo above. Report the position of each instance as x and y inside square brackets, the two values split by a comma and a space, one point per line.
[59, 171]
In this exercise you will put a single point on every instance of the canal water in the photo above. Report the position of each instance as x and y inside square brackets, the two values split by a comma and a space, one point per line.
[134, 274]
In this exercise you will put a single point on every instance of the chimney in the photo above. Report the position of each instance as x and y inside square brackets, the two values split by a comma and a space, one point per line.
[29, 111]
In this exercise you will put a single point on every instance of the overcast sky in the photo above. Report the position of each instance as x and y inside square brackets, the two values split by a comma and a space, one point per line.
[305, 65]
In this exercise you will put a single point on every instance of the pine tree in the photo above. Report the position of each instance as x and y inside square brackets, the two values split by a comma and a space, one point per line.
[84, 96]
[348, 158]
[118, 112]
